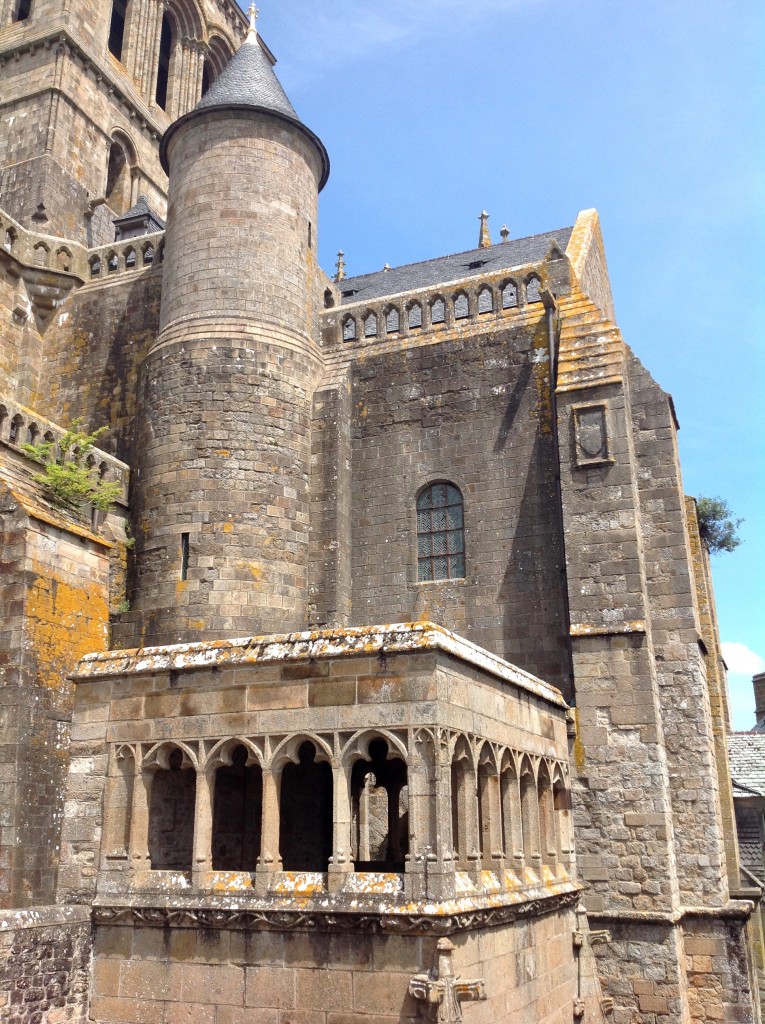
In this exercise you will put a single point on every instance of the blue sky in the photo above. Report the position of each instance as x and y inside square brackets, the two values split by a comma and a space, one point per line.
[651, 112]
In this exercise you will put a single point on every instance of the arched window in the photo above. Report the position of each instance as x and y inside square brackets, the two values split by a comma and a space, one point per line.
[533, 286]
[380, 811]
[95, 266]
[415, 316]
[10, 240]
[485, 300]
[237, 813]
[392, 320]
[440, 533]
[509, 295]
[305, 837]
[17, 424]
[41, 254]
[117, 190]
[370, 326]
[437, 311]
[130, 258]
[117, 27]
[207, 77]
[148, 254]
[349, 329]
[461, 306]
[21, 10]
[171, 815]
[165, 57]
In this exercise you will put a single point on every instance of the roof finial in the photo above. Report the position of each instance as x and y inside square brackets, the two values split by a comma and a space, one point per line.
[505, 232]
[484, 240]
[253, 13]
[340, 265]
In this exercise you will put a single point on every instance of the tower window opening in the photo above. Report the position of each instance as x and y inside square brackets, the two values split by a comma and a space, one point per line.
[21, 10]
[117, 27]
[117, 191]
[440, 533]
[163, 70]
[305, 837]
[207, 77]
[184, 556]
[310, 235]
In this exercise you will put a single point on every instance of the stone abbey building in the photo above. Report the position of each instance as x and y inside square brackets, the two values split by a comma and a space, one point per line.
[390, 688]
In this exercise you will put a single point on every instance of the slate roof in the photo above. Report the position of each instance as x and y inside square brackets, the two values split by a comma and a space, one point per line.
[746, 753]
[474, 263]
[141, 209]
[249, 80]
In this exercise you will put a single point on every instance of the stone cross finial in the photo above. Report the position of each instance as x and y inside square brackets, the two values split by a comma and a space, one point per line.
[340, 267]
[442, 991]
[253, 13]
[484, 239]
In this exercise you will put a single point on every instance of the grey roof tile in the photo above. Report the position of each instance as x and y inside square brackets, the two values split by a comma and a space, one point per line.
[746, 753]
[249, 80]
[474, 263]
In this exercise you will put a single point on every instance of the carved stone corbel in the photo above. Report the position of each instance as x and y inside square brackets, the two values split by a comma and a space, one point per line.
[442, 991]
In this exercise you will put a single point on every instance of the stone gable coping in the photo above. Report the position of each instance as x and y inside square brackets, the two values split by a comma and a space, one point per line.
[399, 638]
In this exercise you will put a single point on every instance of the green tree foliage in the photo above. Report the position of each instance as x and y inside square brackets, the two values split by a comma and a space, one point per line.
[717, 525]
[68, 481]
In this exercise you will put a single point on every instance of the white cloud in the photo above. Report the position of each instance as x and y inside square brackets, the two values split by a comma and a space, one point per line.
[741, 660]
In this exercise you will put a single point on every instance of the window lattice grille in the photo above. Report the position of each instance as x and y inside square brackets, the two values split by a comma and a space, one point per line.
[440, 533]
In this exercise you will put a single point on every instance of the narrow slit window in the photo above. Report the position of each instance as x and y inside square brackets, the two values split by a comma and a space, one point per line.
[184, 556]
[440, 533]
[117, 28]
[310, 235]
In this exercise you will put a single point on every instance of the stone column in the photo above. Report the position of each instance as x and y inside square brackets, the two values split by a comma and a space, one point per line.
[202, 858]
[340, 863]
[270, 860]
[139, 819]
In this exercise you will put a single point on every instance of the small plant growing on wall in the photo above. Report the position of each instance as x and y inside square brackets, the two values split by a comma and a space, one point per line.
[718, 526]
[69, 482]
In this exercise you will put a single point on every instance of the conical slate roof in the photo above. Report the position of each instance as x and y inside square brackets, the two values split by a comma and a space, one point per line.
[248, 80]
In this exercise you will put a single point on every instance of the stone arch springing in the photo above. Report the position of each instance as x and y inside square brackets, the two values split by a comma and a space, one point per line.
[485, 300]
[547, 832]
[562, 806]
[529, 814]
[464, 805]
[237, 811]
[533, 287]
[305, 806]
[172, 799]
[118, 804]
[349, 329]
[509, 295]
[21, 11]
[379, 802]
[414, 316]
[489, 809]
[512, 827]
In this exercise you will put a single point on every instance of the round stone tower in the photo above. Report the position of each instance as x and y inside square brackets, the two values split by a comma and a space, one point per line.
[221, 494]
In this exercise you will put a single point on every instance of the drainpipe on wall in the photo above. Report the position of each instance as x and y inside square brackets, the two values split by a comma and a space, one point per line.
[553, 334]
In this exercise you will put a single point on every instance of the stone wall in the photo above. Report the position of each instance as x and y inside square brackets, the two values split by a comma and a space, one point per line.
[472, 410]
[227, 976]
[45, 965]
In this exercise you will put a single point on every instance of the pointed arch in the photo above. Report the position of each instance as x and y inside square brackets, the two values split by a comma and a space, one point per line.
[533, 287]
[486, 299]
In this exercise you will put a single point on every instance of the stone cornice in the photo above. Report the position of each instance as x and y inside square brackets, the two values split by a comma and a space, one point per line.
[311, 645]
[416, 924]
